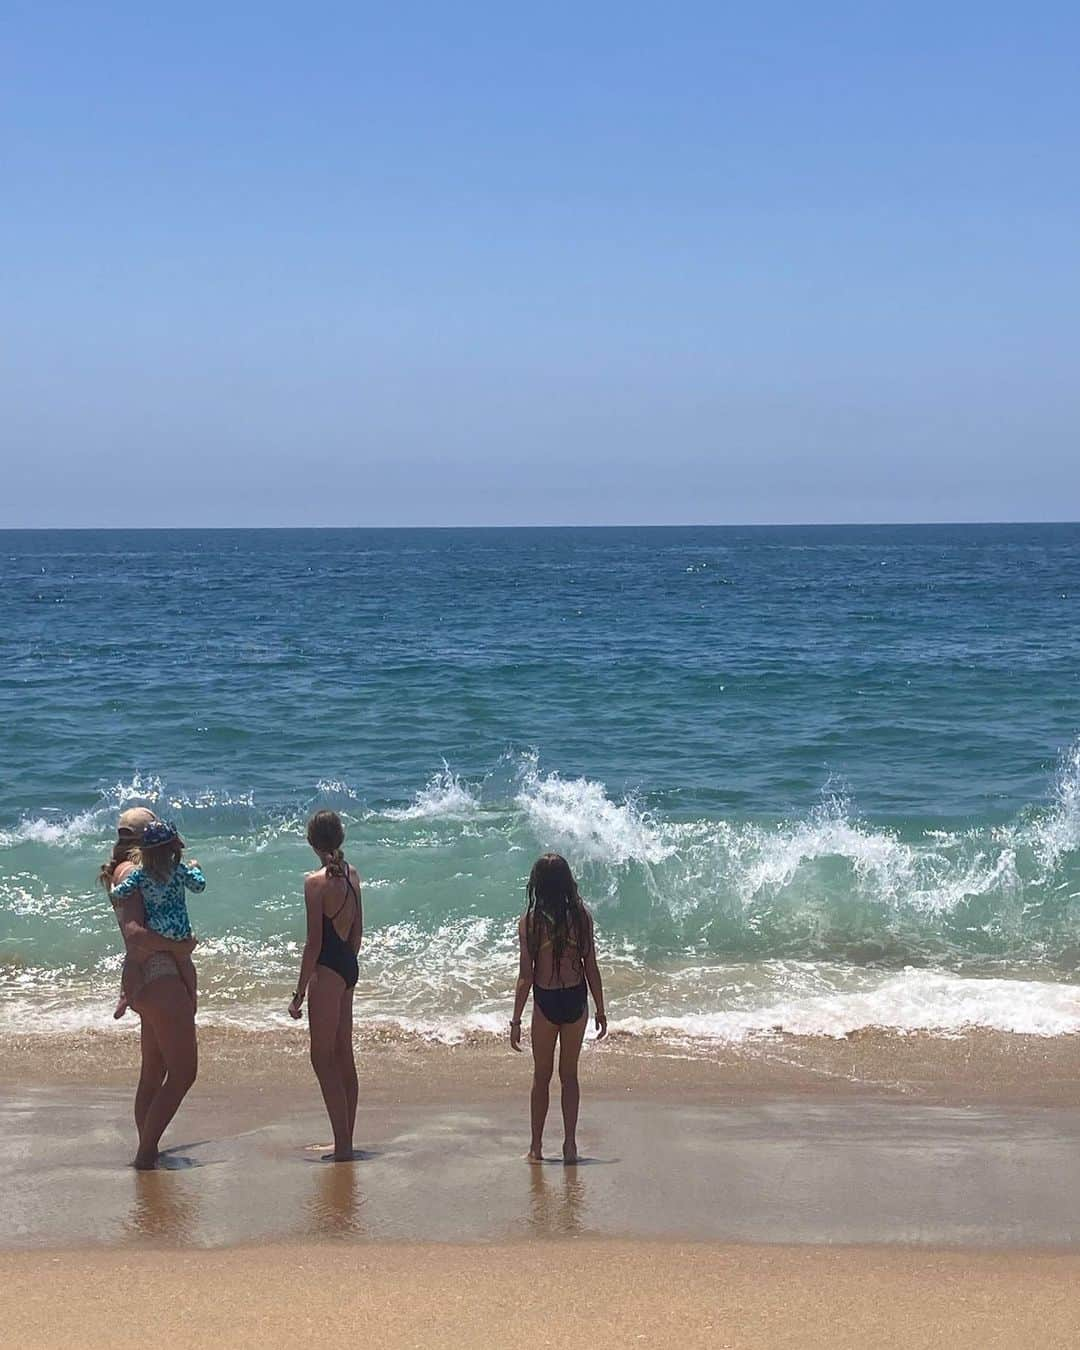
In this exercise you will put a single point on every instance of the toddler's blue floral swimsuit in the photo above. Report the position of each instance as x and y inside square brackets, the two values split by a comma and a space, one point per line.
[166, 907]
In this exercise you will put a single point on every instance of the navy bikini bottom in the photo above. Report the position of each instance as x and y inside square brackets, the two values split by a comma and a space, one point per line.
[563, 1005]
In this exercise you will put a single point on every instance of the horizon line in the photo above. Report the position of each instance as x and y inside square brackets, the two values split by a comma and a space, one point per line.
[621, 525]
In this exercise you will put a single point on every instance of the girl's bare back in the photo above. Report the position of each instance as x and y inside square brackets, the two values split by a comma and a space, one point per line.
[335, 897]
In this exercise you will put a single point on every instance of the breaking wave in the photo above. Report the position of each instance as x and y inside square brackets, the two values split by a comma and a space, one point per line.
[819, 925]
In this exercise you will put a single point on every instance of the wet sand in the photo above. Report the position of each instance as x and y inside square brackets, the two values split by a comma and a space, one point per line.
[240, 1170]
[978, 1067]
[975, 1145]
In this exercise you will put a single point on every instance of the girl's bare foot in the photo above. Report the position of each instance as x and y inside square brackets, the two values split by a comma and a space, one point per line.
[121, 1007]
[145, 1162]
[569, 1155]
[534, 1155]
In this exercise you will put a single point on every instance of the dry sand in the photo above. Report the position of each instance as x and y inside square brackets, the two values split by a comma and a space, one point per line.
[597, 1294]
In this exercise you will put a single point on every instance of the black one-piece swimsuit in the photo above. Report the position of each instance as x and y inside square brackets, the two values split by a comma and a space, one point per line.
[335, 953]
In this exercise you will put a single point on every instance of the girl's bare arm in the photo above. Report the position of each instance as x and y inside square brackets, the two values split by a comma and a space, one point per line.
[312, 944]
[596, 986]
[524, 984]
[356, 932]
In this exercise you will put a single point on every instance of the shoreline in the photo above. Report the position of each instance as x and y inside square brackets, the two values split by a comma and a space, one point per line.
[978, 1067]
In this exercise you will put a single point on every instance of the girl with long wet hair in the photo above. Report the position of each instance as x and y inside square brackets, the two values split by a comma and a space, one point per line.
[558, 963]
[328, 975]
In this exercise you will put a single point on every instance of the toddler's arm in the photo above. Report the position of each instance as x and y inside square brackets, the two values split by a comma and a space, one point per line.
[192, 876]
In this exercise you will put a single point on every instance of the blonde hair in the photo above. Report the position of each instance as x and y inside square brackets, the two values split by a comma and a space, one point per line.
[124, 850]
[160, 860]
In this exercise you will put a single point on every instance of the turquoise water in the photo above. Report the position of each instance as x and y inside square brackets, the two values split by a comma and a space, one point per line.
[811, 777]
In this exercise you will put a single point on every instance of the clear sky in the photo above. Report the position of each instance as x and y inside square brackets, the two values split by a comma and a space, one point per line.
[478, 263]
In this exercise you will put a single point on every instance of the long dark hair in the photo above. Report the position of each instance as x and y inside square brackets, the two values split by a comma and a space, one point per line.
[555, 909]
[326, 834]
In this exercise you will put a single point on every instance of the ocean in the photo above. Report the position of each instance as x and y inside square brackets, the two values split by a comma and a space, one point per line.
[812, 779]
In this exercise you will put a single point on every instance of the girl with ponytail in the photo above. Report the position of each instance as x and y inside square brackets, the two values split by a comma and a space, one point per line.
[328, 975]
[558, 963]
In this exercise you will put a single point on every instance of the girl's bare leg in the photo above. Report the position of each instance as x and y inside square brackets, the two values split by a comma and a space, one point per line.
[346, 1059]
[571, 1035]
[151, 1073]
[544, 1035]
[325, 993]
[165, 1004]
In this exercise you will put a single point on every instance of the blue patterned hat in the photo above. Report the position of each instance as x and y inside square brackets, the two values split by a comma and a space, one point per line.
[159, 832]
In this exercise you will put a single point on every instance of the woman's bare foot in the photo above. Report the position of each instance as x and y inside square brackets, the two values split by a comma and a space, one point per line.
[121, 1007]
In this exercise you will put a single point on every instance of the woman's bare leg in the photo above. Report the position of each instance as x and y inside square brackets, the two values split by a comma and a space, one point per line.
[325, 993]
[167, 1007]
[571, 1035]
[151, 1073]
[346, 1059]
[544, 1034]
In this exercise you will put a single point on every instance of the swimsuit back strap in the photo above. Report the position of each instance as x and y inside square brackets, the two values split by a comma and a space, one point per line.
[350, 891]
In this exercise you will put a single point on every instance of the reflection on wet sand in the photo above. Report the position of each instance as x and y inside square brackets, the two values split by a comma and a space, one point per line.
[162, 1208]
[334, 1207]
[792, 1170]
[557, 1206]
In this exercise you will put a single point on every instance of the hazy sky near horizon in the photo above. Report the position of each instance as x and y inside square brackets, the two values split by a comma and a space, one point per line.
[486, 264]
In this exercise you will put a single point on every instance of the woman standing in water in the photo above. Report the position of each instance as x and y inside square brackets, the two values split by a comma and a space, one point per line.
[328, 975]
[153, 987]
[558, 962]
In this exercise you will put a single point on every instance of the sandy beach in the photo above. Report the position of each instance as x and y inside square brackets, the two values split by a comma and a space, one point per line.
[619, 1294]
[875, 1191]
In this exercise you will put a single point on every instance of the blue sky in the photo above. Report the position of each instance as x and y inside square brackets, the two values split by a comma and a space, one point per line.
[490, 264]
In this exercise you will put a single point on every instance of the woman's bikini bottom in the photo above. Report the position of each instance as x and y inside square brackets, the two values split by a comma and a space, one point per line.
[137, 975]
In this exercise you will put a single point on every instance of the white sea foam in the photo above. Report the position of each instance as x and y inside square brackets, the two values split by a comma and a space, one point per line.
[577, 816]
[932, 874]
[139, 791]
[444, 796]
[1058, 832]
[209, 799]
[912, 1001]
[915, 1000]
[59, 831]
[335, 787]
